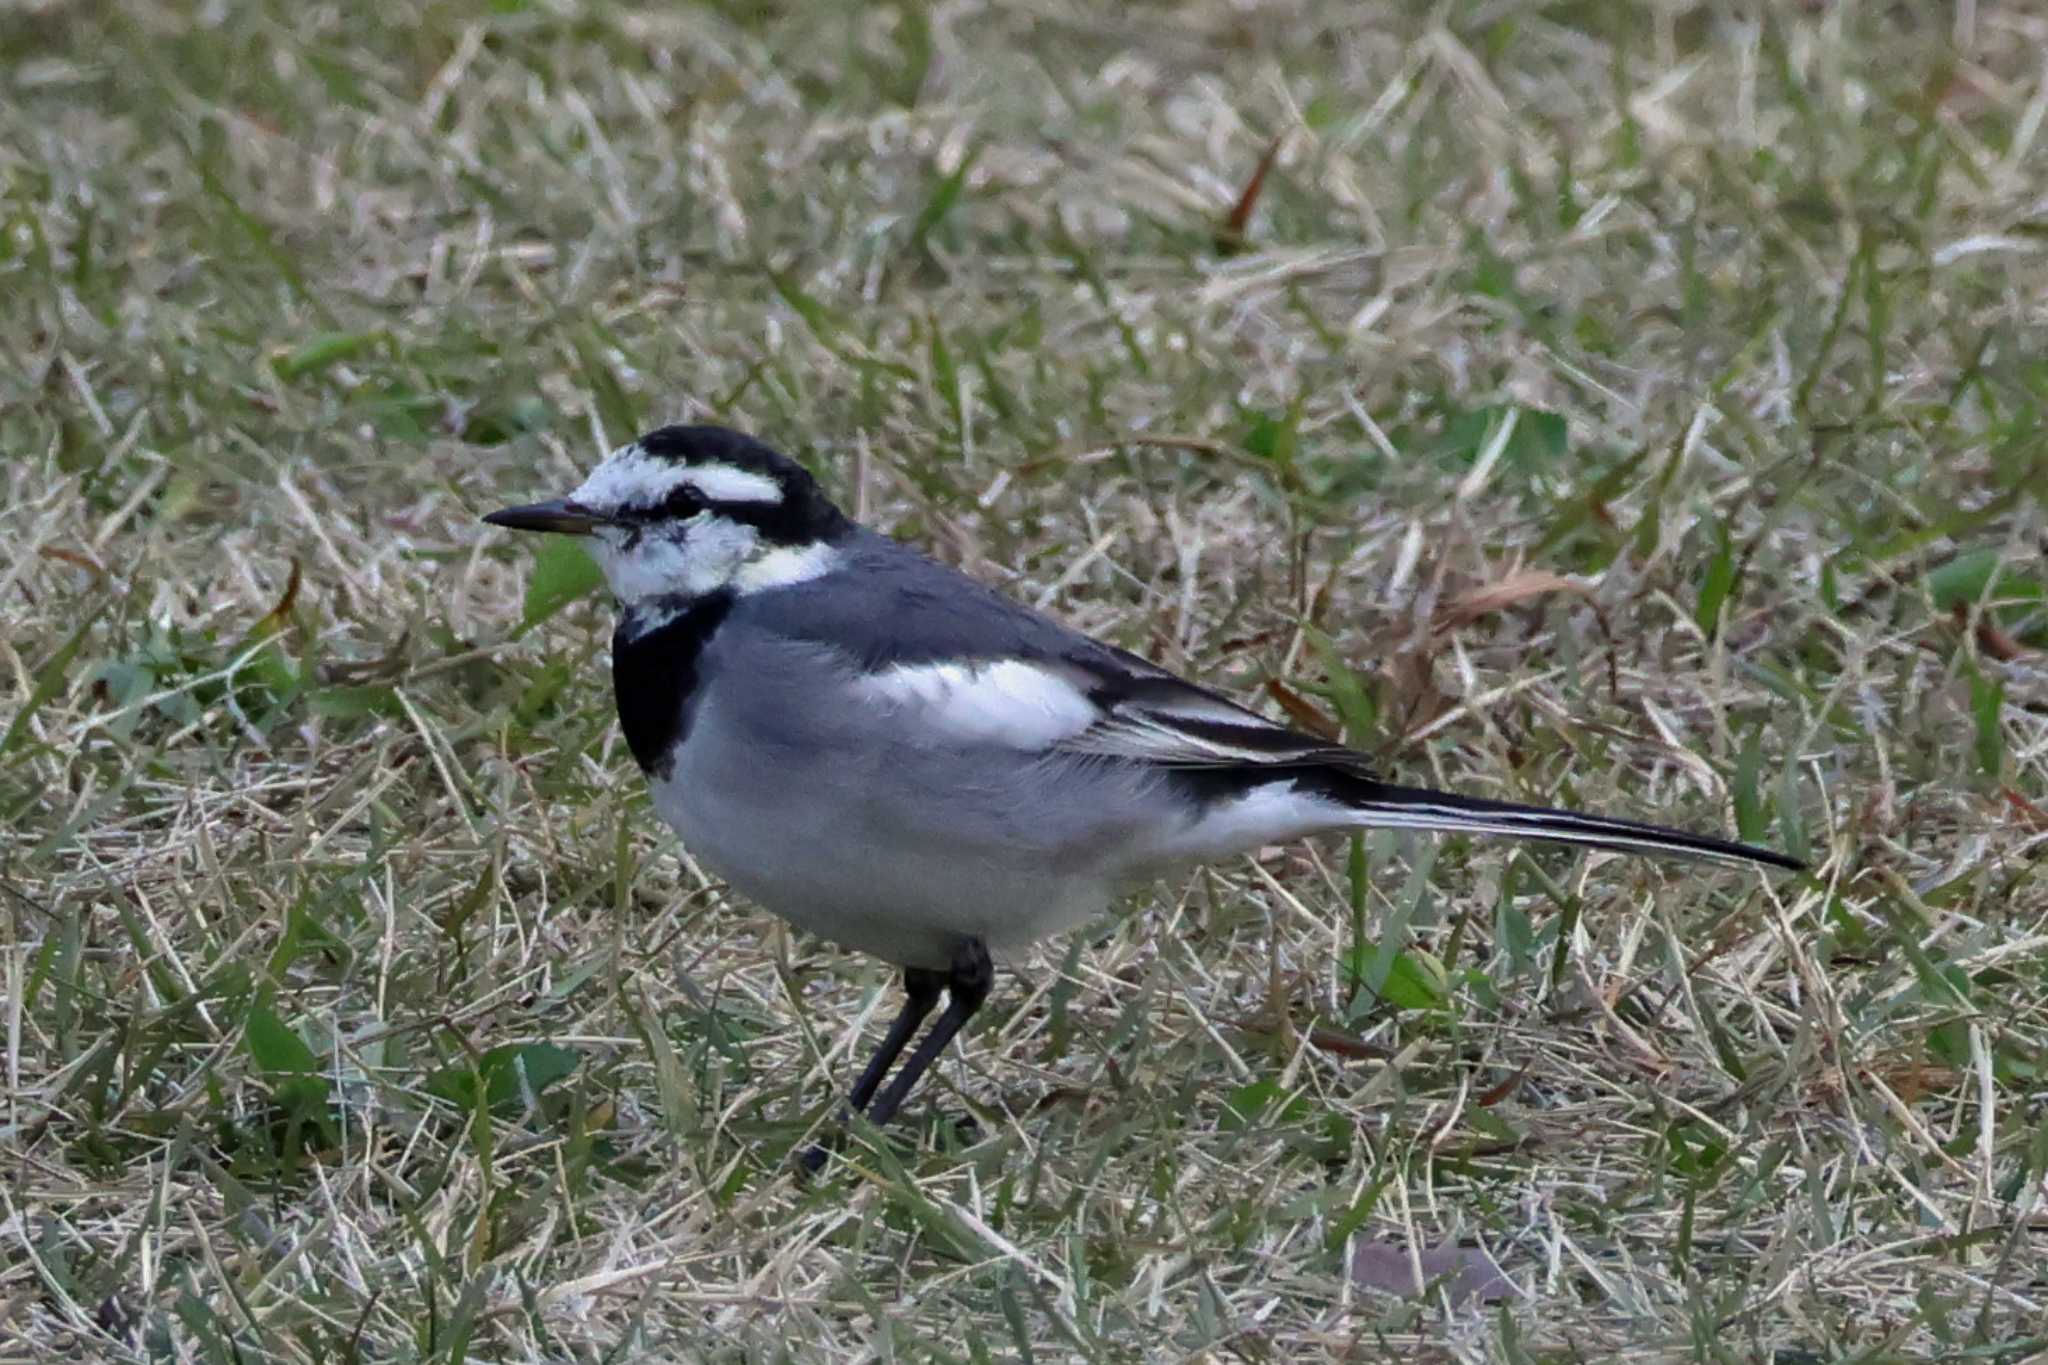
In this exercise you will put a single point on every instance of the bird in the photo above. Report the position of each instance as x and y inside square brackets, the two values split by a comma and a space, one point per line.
[897, 758]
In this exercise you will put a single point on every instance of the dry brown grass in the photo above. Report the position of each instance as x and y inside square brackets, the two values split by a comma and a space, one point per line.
[288, 296]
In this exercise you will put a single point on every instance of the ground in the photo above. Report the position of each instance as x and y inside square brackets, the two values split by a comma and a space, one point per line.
[1629, 407]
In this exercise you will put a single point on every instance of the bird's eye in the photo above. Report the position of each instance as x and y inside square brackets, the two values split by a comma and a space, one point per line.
[685, 501]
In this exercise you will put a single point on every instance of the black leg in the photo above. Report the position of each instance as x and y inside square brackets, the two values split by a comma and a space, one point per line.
[921, 987]
[967, 985]
[920, 992]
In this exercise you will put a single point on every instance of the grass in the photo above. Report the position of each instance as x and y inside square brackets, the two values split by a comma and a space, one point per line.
[1633, 407]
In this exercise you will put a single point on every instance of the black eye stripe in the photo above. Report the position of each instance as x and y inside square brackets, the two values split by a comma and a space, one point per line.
[801, 517]
[682, 501]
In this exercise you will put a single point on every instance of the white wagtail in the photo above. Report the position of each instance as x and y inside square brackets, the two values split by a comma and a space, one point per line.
[893, 756]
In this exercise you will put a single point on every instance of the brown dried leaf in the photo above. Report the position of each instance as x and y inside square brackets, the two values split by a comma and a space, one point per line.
[1468, 1274]
[1303, 712]
[1492, 597]
[1996, 642]
[72, 557]
[2030, 814]
[1913, 1081]
[279, 616]
[1237, 644]
[1495, 1094]
[392, 664]
[1346, 1045]
[1412, 693]
[1992, 641]
[1231, 237]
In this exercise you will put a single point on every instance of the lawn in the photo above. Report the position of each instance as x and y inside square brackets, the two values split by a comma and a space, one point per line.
[1629, 407]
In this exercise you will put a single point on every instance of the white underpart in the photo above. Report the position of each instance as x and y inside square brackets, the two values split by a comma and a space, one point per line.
[1275, 813]
[630, 476]
[1008, 702]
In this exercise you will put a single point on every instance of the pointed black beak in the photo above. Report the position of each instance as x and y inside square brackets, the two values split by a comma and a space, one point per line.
[556, 514]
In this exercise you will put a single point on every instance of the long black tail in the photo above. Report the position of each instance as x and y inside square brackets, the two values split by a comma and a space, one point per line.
[1386, 804]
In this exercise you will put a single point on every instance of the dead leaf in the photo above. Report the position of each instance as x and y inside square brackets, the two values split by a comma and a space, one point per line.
[1495, 1094]
[2030, 814]
[1302, 711]
[1058, 1096]
[1913, 1081]
[73, 557]
[1346, 1045]
[1412, 693]
[1231, 236]
[1467, 1274]
[279, 616]
[1237, 644]
[393, 663]
[1990, 639]
[1468, 607]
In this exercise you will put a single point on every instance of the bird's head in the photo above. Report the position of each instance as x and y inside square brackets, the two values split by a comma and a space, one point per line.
[685, 512]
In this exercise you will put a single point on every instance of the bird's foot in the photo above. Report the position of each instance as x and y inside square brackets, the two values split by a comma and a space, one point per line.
[952, 1133]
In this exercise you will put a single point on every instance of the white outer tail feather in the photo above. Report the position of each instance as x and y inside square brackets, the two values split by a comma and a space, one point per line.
[1280, 811]
[1397, 807]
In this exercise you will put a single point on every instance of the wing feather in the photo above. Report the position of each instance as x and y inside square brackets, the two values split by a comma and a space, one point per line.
[1160, 719]
[1103, 707]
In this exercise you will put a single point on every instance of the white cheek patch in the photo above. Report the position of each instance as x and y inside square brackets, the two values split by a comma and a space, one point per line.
[713, 553]
[630, 477]
[785, 567]
[1007, 702]
[708, 556]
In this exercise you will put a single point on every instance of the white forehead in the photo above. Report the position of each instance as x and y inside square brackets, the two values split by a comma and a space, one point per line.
[630, 476]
